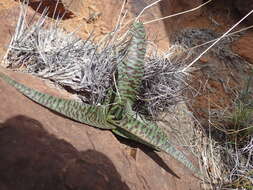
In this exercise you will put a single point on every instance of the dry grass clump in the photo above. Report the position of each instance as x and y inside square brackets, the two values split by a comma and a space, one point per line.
[225, 146]
[196, 40]
[163, 84]
[230, 160]
[240, 140]
[51, 53]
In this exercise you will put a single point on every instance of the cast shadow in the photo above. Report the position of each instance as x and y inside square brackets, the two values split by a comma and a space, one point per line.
[150, 152]
[31, 158]
[54, 10]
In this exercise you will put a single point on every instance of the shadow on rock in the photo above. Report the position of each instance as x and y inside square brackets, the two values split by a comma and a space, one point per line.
[54, 10]
[31, 158]
[150, 152]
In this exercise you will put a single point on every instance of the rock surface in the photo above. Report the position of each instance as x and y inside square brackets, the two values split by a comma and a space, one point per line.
[9, 16]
